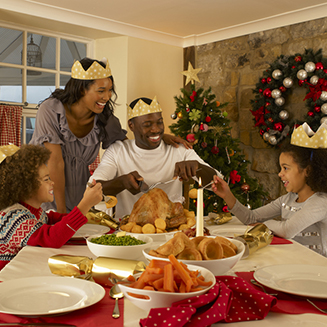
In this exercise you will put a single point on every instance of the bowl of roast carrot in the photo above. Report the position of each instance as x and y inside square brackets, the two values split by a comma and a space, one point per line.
[165, 282]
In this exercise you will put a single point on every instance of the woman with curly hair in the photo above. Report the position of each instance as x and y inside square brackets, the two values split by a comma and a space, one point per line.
[73, 122]
[24, 185]
[302, 212]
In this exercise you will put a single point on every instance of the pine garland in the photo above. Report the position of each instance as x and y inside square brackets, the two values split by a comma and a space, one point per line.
[286, 72]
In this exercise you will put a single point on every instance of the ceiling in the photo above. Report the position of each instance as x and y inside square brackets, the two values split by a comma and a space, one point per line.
[179, 22]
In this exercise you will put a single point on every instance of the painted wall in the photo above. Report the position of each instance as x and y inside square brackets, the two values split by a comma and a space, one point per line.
[143, 68]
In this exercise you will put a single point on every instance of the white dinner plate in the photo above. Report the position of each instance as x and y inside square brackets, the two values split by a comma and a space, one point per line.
[90, 229]
[37, 296]
[230, 231]
[303, 280]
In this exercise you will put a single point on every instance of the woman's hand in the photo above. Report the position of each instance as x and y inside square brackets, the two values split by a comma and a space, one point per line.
[175, 141]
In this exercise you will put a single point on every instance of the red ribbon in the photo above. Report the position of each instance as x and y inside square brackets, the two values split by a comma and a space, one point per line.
[259, 115]
[315, 90]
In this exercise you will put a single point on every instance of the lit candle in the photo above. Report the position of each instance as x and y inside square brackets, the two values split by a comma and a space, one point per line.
[199, 210]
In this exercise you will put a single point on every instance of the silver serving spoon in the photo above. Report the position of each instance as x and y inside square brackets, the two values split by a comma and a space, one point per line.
[116, 293]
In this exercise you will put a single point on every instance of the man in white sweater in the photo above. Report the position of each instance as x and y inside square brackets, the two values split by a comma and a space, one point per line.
[125, 165]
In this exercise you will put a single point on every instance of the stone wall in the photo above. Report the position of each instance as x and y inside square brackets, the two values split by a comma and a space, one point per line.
[232, 68]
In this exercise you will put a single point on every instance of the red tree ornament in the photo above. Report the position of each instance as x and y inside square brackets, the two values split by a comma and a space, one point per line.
[317, 109]
[245, 187]
[319, 65]
[225, 208]
[310, 114]
[267, 93]
[278, 126]
[190, 138]
[208, 119]
[192, 97]
[215, 150]
[298, 58]
[201, 127]
[204, 145]
[268, 80]
[263, 81]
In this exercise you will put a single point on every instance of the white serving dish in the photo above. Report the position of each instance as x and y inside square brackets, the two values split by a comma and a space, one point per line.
[217, 267]
[165, 299]
[129, 252]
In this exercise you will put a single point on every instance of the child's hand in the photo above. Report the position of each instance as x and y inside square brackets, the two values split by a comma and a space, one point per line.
[92, 196]
[220, 187]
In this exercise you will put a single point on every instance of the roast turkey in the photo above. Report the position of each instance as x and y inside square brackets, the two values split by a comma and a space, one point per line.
[156, 204]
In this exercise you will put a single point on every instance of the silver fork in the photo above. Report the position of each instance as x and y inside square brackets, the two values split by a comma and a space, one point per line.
[321, 310]
[156, 184]
[254, 282]
[105, 197]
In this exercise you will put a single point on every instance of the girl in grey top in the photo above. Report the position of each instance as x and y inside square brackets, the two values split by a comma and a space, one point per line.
[303, 210]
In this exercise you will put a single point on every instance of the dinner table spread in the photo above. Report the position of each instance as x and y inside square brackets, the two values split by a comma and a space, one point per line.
[234, 289]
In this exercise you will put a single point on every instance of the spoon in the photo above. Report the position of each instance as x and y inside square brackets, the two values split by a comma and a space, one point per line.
[116, 293]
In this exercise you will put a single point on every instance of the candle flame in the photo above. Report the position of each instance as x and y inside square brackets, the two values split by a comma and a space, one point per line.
[200, 182]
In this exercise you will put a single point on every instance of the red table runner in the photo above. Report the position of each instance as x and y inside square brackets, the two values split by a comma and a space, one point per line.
[98, 315]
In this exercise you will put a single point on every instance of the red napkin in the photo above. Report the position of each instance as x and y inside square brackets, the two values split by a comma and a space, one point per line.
[231, 299]
[288, 303]
[280, 240]
[98, 315]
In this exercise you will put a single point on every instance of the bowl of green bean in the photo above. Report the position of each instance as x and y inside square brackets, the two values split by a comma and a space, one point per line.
[122, 247]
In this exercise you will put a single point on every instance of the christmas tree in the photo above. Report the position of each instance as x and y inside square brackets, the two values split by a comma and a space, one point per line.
[202, 122]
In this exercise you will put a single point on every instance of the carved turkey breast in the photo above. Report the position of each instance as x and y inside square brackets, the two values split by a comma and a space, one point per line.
[156, 204]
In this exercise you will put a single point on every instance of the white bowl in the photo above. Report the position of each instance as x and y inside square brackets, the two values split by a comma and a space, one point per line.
[158, 237]
[217, 267]
[165, 299]
[129, 252]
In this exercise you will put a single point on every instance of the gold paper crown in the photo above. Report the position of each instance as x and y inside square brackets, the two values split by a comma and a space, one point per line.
[141, 108]
[7, 151]
[95, 71]
[305, 137]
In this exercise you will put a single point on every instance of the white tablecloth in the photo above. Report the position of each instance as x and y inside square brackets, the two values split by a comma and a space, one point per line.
[33, 261]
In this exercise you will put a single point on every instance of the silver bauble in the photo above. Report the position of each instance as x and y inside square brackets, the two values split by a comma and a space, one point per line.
[272, 140]
[310, 67]
[173, 116]
[277, 74]
[323, 108]
[283, 114]
[288, 82]
[323, 120]
[266, 136]
[279, 101]
[302, 74]
[314, 79]
[276, 93]
[323, 96]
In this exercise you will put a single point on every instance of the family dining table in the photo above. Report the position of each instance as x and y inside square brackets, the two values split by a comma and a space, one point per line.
[33, 262]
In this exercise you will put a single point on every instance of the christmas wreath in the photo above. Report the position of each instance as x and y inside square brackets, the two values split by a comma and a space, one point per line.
[269, 108]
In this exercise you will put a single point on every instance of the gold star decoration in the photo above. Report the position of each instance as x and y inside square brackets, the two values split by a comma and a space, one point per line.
[191, 74]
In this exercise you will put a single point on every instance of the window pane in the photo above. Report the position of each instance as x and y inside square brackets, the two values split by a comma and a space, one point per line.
[69, 52]
[41, 51]
[63, 80]
[11, 46]
[11, 84]
[30, 126]
[39, 86]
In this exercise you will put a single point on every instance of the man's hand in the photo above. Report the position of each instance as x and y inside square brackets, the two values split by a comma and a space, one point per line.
[132, 182]
[186, 169]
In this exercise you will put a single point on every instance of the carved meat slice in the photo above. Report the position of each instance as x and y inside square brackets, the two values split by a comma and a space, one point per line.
[156, 204]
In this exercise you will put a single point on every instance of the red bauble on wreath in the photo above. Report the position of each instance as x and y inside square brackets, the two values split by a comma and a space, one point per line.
[306, 70]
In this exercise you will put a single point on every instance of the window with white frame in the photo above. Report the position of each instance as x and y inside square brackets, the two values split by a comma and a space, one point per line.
[32, 65]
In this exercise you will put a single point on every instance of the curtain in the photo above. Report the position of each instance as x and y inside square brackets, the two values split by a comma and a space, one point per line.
[10, 124]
